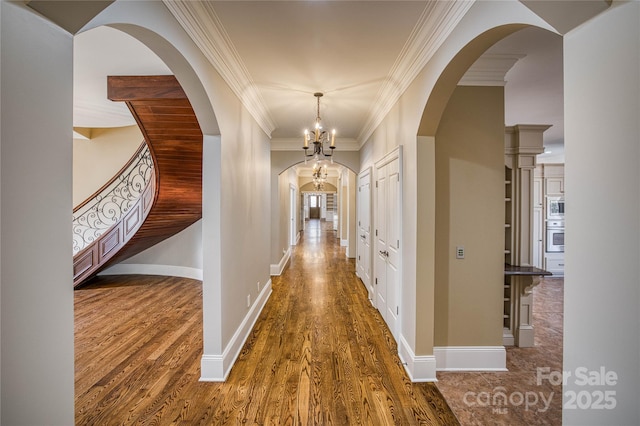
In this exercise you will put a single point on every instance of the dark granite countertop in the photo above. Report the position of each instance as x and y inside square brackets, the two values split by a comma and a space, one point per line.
[524, 270]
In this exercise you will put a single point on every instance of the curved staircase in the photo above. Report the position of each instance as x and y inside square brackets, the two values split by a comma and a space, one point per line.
[172, 199]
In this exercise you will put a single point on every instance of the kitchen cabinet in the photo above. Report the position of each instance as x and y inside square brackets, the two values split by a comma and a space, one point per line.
[554, 186]
[554, 263]
[538, 219]
[553, 179]
[508, 215]
[538, 198]
[538, 238]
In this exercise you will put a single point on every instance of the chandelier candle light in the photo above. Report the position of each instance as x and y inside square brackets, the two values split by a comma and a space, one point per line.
[319, 176]
[320, 138]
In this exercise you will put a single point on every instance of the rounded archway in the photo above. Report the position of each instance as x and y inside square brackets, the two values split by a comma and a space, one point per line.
[461, 135]
[453, 72]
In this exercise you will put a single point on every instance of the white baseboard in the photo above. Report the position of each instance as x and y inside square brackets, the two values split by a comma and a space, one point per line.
[277, 269]
[216, 368]
[298, 237]
[147, 269]
[419, 368]
[470, 358]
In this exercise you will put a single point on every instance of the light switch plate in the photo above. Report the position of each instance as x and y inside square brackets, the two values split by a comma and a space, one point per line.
[459, 252]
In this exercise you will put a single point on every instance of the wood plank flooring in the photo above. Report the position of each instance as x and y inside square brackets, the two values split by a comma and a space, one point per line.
[319, 354]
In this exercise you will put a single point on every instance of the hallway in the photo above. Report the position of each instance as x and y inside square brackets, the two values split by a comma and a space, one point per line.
[318, 354]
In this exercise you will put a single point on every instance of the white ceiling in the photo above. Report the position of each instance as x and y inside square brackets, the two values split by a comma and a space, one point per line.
[343, 49]
[288, 50]
[98, 53]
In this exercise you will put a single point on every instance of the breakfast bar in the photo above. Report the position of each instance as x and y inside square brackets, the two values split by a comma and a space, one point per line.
[518, 304]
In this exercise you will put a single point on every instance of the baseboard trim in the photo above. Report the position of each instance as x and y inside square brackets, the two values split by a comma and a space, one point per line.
[470, 358]
[148, 269]
[277, 269]
[216, 368]
[419, 368]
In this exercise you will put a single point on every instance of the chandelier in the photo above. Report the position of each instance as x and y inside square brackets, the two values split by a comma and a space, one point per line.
[319, 176]
[319, 137]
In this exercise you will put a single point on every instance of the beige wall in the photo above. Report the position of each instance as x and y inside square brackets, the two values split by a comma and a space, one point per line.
[469, 153]
[97, 160]
[401, 127]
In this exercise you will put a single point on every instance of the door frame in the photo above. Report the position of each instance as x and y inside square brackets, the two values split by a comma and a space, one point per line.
[293, 200]
[365, 175]
[395, 154]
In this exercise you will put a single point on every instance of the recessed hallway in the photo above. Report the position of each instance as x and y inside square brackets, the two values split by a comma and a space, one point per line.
[318, 354]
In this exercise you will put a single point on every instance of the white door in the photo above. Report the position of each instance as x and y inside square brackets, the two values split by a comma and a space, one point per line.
[380, 255]
[363, 259]
[393, 243]
[304, 209]
[292, 216]
[388, 257]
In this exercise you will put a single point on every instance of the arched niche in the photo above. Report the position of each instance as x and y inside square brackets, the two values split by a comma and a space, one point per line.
[309, 187]
[283, 160]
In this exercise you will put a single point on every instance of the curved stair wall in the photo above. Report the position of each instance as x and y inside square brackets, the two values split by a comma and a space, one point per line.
[173, 201]
[112, 215]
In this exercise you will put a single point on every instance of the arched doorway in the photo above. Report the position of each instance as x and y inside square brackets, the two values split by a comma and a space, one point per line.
[465, 139]
[290, 173]
[332, 202]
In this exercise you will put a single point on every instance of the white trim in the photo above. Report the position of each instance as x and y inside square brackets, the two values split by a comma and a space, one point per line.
[216, 368]
[202, 24]
[437, 21]
[470, 358]
[277, 269]
[434, 25]
[148, 269]
[419, 368]
[394, 155]
[344, 243]
[490, 70]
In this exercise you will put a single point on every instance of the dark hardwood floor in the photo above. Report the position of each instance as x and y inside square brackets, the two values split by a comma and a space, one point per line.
[319, 353]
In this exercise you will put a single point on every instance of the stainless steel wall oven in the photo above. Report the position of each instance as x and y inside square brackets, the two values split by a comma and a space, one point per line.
[555, 236]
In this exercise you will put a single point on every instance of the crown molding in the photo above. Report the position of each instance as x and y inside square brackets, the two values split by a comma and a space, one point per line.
[204, 27]
[490, 70]
[435, 24]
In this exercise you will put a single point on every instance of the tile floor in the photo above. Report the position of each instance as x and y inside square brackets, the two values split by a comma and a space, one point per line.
[516, 397]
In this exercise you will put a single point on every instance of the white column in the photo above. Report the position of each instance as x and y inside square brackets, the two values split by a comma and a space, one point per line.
[212, 360]
[602, 176]
[522, 144]
[37, 361]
